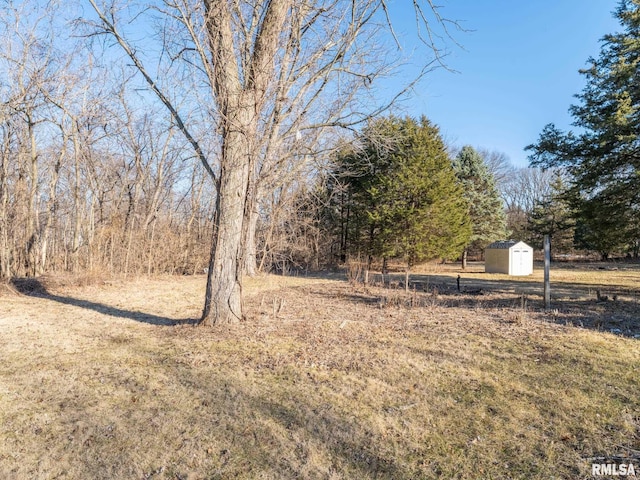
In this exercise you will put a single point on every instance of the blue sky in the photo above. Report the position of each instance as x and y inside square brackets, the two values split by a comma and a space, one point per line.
[518, 70]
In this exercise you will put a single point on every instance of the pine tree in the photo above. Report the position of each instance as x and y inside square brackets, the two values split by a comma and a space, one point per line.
[486, 210]
[604, 158]
[405, 200]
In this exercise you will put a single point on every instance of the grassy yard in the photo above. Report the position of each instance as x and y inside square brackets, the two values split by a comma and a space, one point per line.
[324, 380]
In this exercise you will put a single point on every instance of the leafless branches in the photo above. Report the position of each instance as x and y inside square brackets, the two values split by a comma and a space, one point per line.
[254, 87]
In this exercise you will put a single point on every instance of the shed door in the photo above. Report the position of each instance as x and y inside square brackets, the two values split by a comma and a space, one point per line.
[520, 262]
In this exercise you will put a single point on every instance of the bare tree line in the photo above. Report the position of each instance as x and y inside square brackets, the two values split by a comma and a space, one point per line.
[93, 179]
[89, 181]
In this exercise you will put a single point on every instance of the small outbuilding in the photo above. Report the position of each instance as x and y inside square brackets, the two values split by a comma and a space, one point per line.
[510, 257]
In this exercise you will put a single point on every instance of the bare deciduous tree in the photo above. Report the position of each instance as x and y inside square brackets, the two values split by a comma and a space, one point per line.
[268, 69]
[90, 178]
[26, 60]
[498, 164]
[525, 187]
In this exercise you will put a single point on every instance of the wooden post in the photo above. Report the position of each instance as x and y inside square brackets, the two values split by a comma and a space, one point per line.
[406, 279]
[547, 267]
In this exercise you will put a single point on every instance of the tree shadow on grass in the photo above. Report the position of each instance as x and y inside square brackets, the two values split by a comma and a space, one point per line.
[351, 445]
[35, 288]
[300, 418]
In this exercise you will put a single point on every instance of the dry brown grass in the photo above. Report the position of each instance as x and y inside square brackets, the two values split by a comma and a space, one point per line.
[612, 274]
[323, 381]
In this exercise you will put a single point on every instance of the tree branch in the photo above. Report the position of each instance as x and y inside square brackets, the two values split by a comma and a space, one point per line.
[111, 29]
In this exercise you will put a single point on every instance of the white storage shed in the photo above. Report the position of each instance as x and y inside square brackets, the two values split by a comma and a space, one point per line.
[510, 257]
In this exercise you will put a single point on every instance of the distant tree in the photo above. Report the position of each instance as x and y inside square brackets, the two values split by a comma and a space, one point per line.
[498, 164]
[603, 156]
[525, 187]
[595, 231]
[486, 209]
[553, 215]
[603, 225]
[521, 192]
[405, 201]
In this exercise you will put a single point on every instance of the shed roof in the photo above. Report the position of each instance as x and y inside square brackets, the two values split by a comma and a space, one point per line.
[502, 244]
[505, 244]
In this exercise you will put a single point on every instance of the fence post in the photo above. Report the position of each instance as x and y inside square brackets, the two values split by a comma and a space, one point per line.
[547, 267]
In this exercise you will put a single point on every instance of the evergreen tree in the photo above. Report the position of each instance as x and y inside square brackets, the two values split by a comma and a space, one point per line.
[405, 201]
[596, 230]
[486, 209]
[554, 216]
[606, 223]
[604, 159]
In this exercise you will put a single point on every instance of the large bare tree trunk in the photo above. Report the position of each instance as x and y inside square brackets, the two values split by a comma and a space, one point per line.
[240, 101]
[223, 296]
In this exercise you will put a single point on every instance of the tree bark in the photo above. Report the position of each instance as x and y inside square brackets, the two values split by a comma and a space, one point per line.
[223, 296]
[77, 200]
[51, 207]
[31, 253]
[240, 102]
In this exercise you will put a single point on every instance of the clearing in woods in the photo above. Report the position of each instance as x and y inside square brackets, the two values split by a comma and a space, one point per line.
[325, 379]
